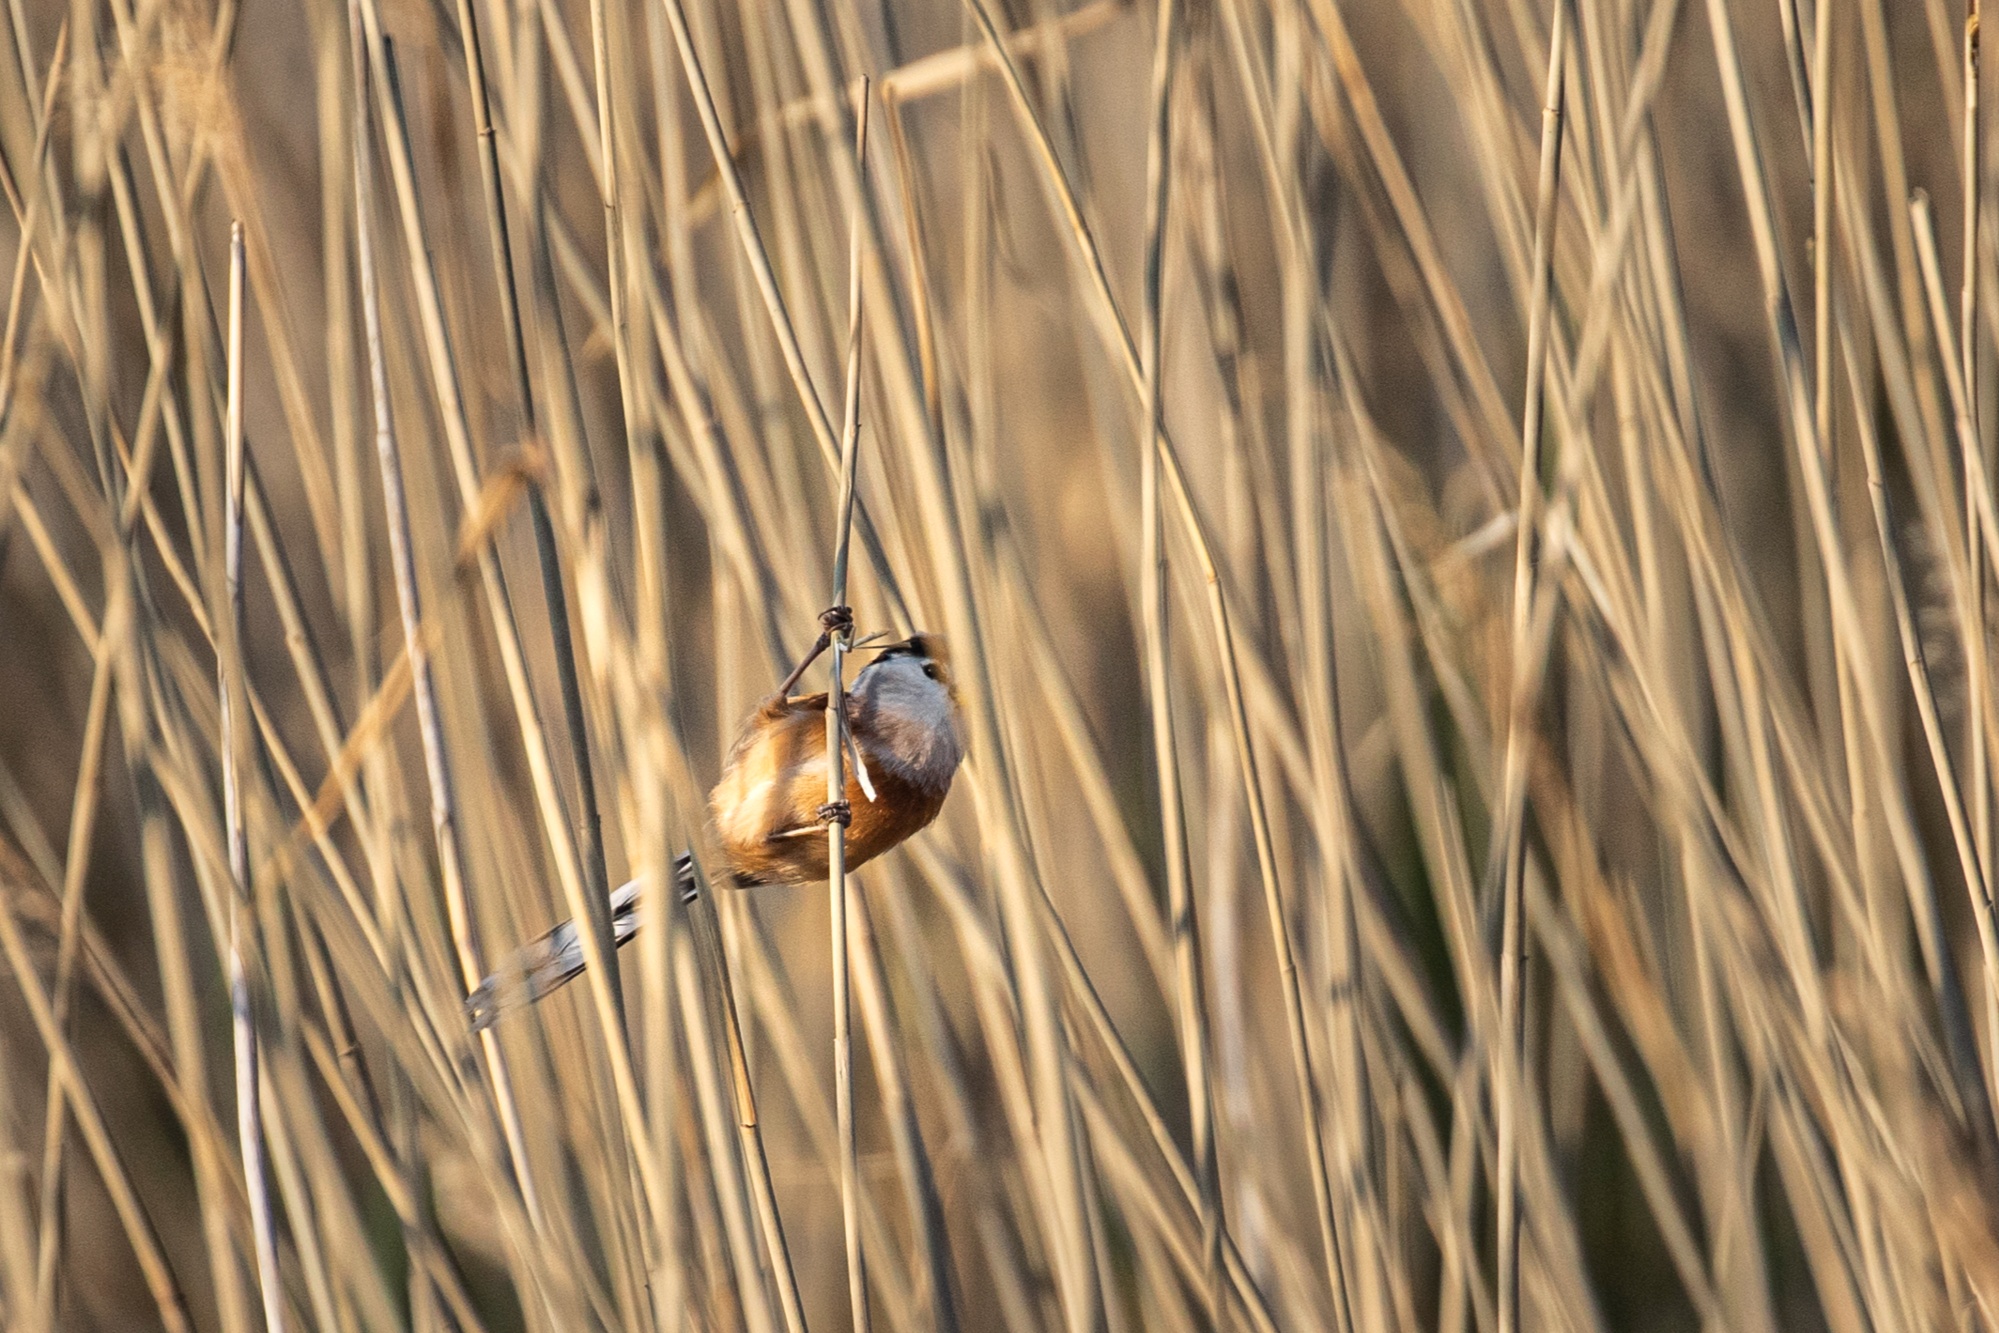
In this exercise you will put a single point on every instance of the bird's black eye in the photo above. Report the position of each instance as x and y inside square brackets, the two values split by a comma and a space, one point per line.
[930, 670]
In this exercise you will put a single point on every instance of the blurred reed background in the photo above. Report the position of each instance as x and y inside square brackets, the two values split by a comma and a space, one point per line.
[373, 600]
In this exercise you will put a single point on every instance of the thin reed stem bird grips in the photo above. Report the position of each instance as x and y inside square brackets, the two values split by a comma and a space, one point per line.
[836, 813]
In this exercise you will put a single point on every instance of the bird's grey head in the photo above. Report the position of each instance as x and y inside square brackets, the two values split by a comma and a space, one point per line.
[906, 701]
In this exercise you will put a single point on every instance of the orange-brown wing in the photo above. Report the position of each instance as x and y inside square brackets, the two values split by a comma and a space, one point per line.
[766, 805]
[767, 781]
[798, 854]
[899, 811]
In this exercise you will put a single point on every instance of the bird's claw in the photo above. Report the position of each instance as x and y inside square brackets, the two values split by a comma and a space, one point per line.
[835, 622]
[836, 812]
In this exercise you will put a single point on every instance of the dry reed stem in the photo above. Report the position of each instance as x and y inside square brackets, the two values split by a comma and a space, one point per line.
[1510, 1078]
[1188, 990]
[231, 667]
[840, 907]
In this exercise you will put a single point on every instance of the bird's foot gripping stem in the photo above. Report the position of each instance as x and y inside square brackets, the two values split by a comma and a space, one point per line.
[833, 620]
[836, 812]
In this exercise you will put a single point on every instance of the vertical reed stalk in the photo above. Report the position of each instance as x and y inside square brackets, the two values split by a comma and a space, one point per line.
[836, 766]
[1510, 1076]
[237, 754]
[1189, 998]
[1977, 644]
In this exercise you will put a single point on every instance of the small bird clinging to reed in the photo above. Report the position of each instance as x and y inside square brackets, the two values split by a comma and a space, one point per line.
[769, 810]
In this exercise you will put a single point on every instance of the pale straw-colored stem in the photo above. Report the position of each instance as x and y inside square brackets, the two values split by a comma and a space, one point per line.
[1508, 1062]
[836, 768]
[230, 667]
[1154, 602]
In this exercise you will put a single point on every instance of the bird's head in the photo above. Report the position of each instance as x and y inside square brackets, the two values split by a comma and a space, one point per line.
[907, 701]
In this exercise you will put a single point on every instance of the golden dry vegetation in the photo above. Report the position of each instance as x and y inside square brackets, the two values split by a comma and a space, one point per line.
[1467, 529]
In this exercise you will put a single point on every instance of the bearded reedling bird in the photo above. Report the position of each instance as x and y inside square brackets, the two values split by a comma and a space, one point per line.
[769, 810]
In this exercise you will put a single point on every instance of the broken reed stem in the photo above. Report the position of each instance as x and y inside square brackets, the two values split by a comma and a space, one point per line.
[836, 755]
[1509, 1077]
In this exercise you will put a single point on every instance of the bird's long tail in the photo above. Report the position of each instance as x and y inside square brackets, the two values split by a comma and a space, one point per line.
[536, 969]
